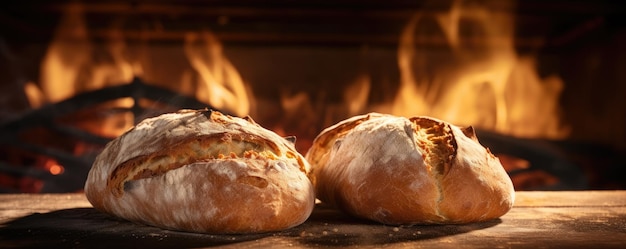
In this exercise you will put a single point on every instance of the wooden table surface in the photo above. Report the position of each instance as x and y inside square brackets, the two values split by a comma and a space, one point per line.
[568, 219]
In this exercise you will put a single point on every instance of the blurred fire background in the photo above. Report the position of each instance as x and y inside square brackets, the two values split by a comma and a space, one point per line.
[542, 81]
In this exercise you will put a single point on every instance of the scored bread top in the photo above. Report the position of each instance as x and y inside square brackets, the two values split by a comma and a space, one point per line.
[172, 140]
[417, 170]
[202, 171]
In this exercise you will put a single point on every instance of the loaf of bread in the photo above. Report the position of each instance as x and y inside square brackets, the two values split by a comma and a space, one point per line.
[403, 171]
[202, 171]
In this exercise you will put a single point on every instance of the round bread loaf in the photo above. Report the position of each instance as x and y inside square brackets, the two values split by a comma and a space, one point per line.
[403, 171]
[202, 171]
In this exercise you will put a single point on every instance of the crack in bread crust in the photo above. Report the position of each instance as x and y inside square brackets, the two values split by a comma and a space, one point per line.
[202, 171]
[437, 141]
[418, 170]
[219, 146]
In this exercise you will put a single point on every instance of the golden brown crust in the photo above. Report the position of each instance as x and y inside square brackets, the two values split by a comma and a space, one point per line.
[202, 171]
[184, 152]
[325, 140]
[408, 171]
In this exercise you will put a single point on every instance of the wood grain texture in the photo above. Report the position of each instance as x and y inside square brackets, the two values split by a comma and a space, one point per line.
[572, 219]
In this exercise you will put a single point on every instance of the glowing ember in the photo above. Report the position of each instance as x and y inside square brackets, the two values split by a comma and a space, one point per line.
[56, 169]
[53, 167]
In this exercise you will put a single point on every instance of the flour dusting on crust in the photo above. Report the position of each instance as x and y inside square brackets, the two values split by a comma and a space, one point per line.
[202, 171]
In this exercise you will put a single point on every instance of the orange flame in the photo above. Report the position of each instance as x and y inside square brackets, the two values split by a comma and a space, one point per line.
[69, 67]
[74, 63]
[482, 82]
[220, 83]
[477, 79]
[356, 95]
[67, 53]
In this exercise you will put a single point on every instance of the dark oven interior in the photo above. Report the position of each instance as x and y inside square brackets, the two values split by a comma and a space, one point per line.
[541, 81]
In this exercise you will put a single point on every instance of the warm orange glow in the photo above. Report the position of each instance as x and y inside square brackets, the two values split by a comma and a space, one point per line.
[482, 82]
[75, 63]
[34, 95]
[56, 169]
[53, 167]
[70, 67]
[356, 95]
[475, 78]
[66, 55]
[219, 83]
[512, 163]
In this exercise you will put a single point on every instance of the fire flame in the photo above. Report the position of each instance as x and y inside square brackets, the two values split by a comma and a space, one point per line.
[221, 85]
[483, 82]
[477, 78]
[71, 66]
[75, 63]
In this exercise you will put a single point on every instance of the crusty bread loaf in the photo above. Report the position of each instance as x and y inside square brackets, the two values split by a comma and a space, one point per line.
[202, 171]
[396, 170]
